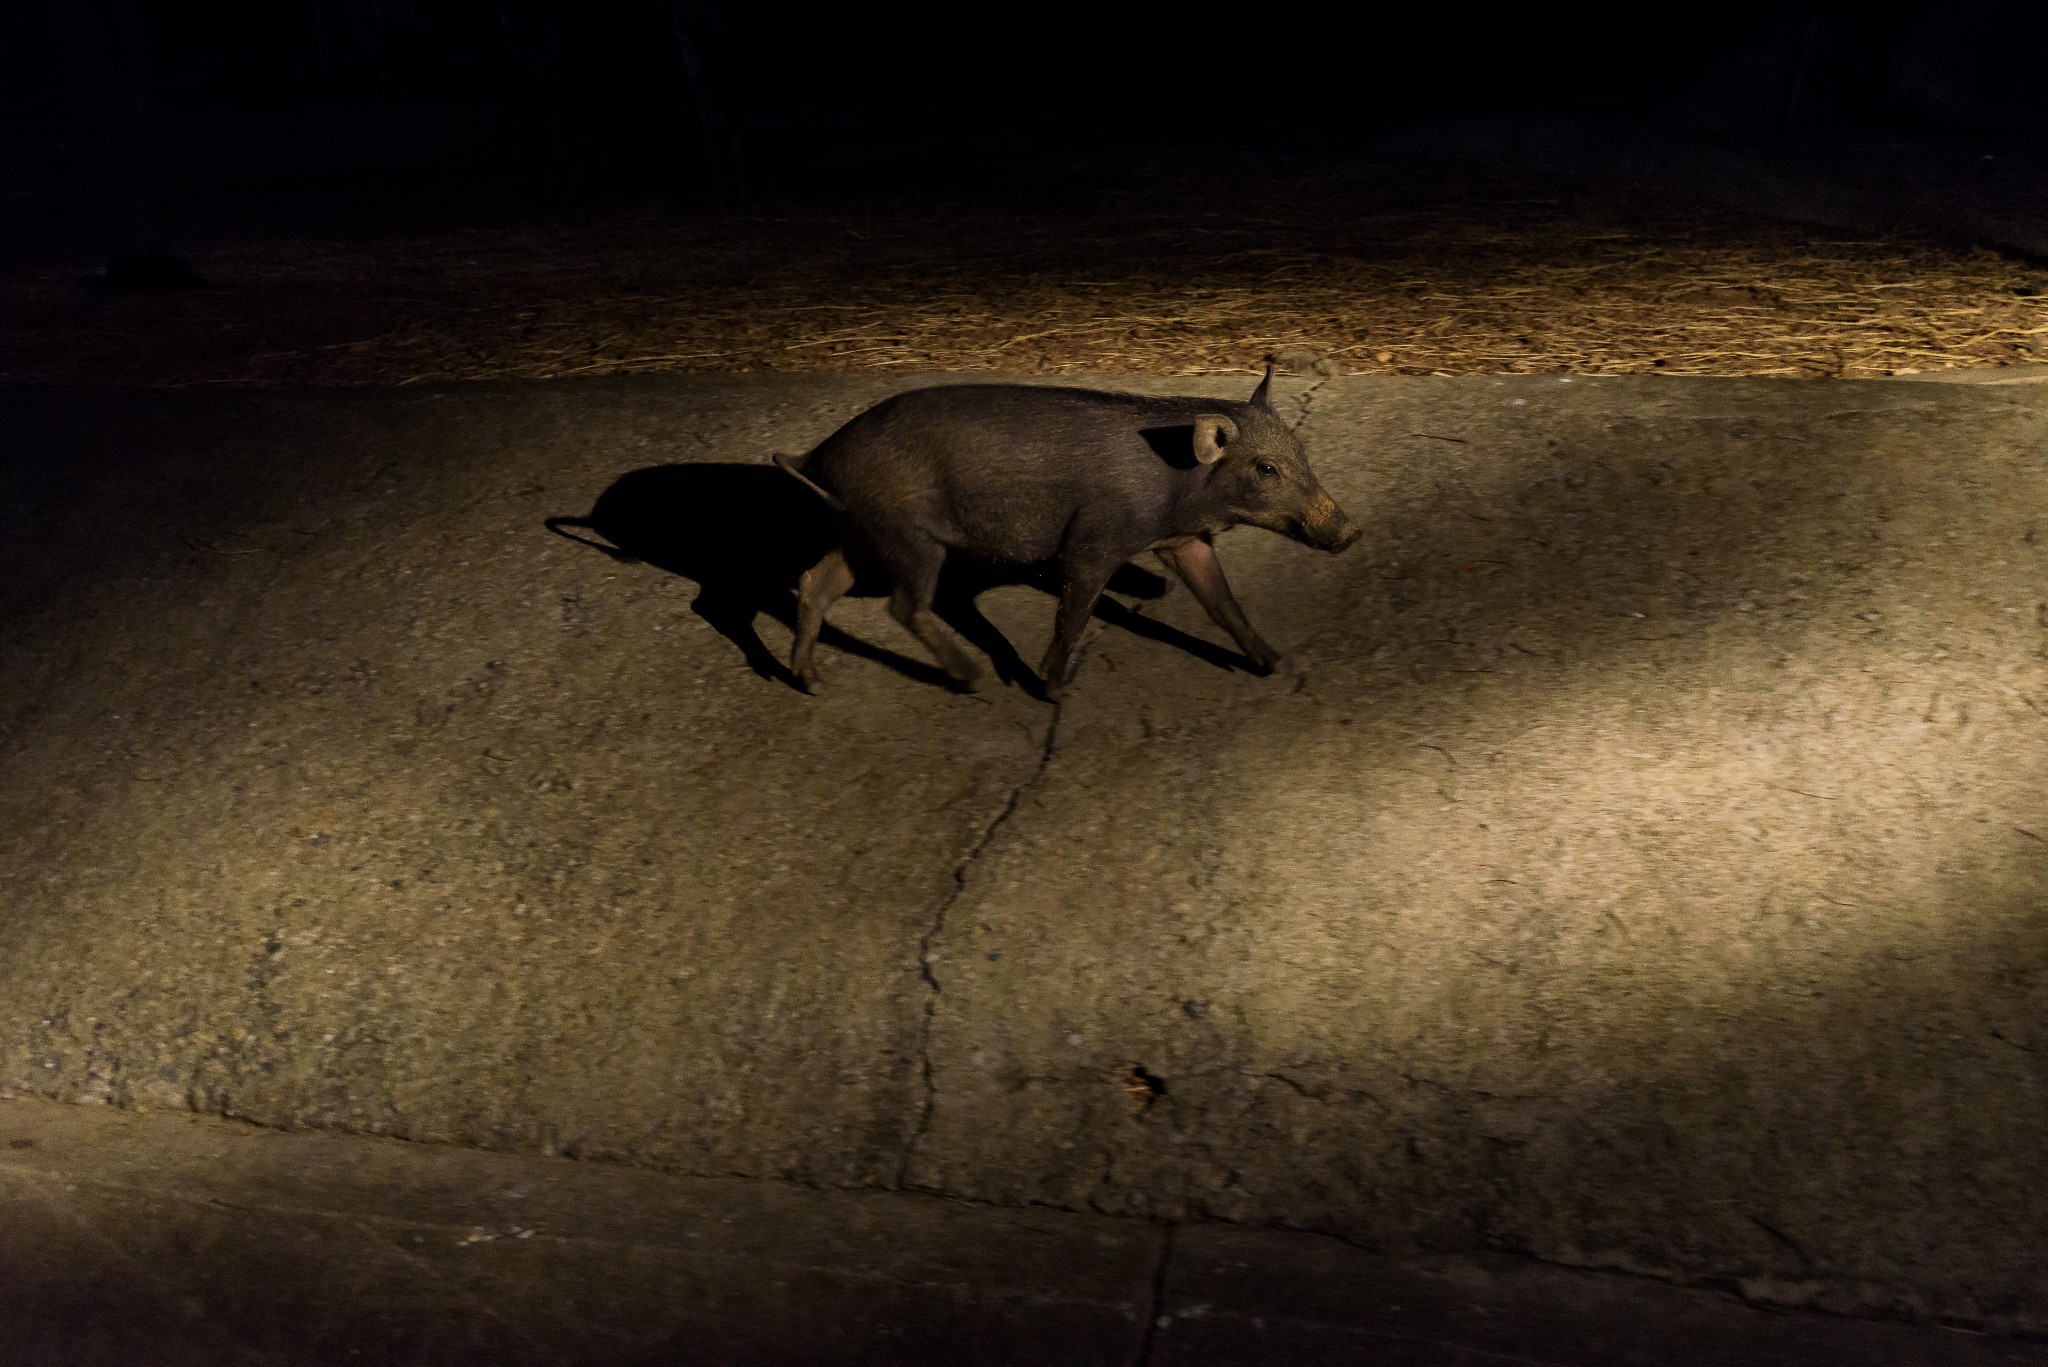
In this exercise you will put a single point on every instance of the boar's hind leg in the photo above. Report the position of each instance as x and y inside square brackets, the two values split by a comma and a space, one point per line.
[823, 584]
[1082, 584]
[1196, 564]
[914, 561]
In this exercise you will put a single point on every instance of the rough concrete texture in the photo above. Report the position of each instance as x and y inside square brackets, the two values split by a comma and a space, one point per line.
[1641, 863]
[153, 1239]
[173, 1239]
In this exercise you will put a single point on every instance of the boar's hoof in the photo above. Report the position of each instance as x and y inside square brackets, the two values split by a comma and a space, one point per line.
[1262, 658]
[808, 681]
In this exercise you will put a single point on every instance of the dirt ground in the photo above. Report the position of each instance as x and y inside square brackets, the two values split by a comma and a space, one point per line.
[1140, 273]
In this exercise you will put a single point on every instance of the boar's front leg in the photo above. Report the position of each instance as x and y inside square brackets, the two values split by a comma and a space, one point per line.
[1194, 560]
[1082, 582]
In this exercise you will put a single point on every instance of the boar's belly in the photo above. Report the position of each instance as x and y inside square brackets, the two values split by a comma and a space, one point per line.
[1015, 524]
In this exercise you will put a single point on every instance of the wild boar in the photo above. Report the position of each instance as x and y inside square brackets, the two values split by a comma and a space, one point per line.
[1080, 477]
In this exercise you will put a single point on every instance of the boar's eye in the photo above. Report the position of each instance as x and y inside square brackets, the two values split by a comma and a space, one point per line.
[1266, 467]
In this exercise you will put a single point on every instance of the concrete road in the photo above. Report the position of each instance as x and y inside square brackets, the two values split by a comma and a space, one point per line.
[1642, 863]
[132, 1239]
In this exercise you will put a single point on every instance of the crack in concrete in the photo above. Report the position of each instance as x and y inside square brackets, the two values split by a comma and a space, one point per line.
[938, 927]
[1306, 402]
[1780, 1237]
[1731, 1286]
[1326, 1095]
[1156, 1317]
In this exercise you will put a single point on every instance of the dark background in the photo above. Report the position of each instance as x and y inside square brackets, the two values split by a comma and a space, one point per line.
[292, 110]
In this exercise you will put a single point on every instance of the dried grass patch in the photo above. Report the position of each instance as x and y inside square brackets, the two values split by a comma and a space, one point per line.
[1146, 283]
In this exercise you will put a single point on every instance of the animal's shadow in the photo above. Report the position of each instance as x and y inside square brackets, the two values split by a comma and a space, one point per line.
[744, 534]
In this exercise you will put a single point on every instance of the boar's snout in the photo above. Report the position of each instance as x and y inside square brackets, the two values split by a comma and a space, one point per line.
[1327, 528]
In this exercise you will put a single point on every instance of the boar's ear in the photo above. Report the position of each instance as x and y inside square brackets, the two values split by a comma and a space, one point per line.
[1263, 395]
[1213, 432]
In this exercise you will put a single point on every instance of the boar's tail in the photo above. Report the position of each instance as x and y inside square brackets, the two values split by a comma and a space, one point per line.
[788, 466]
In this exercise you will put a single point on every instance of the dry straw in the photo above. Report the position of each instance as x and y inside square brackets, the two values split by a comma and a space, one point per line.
[1139, 284]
